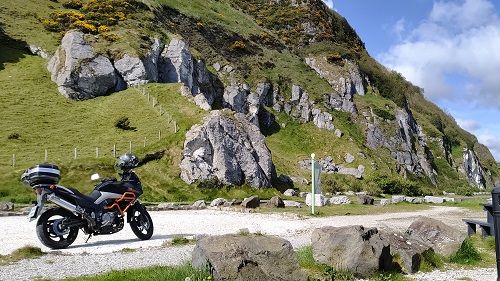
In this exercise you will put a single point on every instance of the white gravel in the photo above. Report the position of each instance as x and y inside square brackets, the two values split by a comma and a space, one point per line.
[103, 253]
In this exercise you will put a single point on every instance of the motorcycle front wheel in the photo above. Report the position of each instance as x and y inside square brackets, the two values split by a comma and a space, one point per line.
[51, 231]
[140, 222]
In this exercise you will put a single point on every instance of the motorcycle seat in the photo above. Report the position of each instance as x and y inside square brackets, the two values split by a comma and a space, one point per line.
[90, 198]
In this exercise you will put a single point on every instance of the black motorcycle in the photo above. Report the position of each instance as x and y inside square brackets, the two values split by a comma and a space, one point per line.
[101, 212]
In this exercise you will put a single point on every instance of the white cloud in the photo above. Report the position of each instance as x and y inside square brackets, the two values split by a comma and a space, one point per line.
[329, 3]
[468, 125]
[457, 38]
[399, 28]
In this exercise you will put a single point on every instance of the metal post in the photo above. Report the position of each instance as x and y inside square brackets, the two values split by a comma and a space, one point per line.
[46, 155]
[75, 153]
[159, 135]
[495, 195]
[130, 146]
[313, 183]
[114, 150]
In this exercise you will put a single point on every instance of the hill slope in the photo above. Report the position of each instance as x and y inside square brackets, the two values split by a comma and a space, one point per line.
[384, 124]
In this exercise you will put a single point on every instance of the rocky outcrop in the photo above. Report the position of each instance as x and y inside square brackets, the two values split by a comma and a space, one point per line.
[408, 145]
[249, 257]
[135, 70]
[444, 239]
[227, 147]
[79, 72]
[358, 249]
[472, 169]
[345, 80]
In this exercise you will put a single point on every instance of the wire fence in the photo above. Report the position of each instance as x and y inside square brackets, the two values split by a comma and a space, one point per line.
[66, 152]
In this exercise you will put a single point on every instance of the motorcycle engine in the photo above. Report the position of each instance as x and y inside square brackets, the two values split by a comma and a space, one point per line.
[110, 223]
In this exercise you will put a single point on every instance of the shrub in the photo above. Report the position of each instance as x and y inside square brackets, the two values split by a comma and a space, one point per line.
[467, 254]
[334, 58]
[14, 136]
[73, 4]
[238, 45]
[384, 114]
[393, 185]
[85, 26]
[103, 29]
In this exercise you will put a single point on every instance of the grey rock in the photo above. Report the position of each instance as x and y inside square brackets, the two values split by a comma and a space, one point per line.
[251, 202]
[276, 202]
[338, 133]
[6, 206]
[235, 98]
[360, 250]
[290, 203]
[233, 202]
[135, 70]
[217, 66]
[414, 200]
[442, 238]
[319, 200]
[227, 147]
[397, 199]
[384, 202]
[264, 91]
[449, 199]
[349, 158]
[247, 258]
[201, 101]
[38, 51]
[291, 192]
[168, 206]
[176, 64]
[365, 199]
[300, 180]
[296, 94]
[200, 204]
[323, 120]
[303, 194]
[79, 72]
[410, 252]
[217, 202]
[340, 200]
[433, 199]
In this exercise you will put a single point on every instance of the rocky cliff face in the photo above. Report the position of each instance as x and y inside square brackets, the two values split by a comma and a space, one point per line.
[227, 147]
[472, 169]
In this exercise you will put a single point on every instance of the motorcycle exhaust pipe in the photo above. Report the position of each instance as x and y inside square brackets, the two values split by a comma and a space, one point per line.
[65, 204]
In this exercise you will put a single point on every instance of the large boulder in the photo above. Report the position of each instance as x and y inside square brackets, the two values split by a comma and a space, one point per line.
[360, 250]
[6, 206]
[250, 257]
[443, 239]
[79, 72]
[227, 147]
[409, 252]
[135, 70]
[251, 202]
[319, 200]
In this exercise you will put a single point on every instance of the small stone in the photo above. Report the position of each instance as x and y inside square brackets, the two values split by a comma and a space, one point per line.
[6, 206]
[217, 202]
[303, 194]
[384, 202]
[398, 199]
[349, 158]
[200, 204]
[339, 200]
[217, 66]
[365, 199]
[434, 199]
[291, 192]
[319, 200]
[290, 203]
[276, 202]
[338, 133]
[251, 202]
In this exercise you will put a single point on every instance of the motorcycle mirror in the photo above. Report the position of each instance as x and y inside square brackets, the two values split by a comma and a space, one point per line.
[95, 177]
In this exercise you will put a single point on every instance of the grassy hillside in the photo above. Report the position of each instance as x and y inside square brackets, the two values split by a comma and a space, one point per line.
[262, 41]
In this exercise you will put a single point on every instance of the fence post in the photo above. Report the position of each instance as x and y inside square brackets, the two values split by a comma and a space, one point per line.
[114, 150]
[159, 134]
[175, 127]
[144, 141]
[75, 153]
[130, 146]
[154, 102]
[149, 97]
[13, 160]
[97, 152]
[46, 155]
[160, 109]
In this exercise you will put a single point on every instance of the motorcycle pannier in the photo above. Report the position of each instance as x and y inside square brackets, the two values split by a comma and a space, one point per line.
[41, 174]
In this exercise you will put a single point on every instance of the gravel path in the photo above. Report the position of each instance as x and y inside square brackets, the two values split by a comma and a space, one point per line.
[104, 253]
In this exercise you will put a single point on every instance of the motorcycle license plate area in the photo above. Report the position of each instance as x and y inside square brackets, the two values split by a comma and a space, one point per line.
[33, 212]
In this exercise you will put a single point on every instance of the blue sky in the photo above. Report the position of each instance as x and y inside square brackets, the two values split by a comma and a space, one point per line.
[451, 48]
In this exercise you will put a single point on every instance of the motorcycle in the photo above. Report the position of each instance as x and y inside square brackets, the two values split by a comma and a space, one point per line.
[101, 212]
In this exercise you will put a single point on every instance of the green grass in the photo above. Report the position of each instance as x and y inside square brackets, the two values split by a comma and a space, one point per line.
[26, 252]
[179, 241]
[178, 273]
[317, 270]
[475, 251]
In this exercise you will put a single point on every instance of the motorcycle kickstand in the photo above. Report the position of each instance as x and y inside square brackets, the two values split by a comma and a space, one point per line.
[88, 238]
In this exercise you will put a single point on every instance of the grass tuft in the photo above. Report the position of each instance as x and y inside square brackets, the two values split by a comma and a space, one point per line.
[468, 254]
[26, 252]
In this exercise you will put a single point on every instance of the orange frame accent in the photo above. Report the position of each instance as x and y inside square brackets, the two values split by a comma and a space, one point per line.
[126, 196]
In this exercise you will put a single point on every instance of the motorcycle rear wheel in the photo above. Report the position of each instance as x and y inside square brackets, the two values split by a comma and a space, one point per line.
[51, 232]
[141, 223]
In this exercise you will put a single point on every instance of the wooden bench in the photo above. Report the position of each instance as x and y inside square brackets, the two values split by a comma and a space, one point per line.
[486, 228]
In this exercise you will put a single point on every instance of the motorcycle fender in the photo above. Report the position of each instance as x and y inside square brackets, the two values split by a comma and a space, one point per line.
[38, 208]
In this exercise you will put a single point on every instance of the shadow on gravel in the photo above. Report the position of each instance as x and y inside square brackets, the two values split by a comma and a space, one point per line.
[125, 241]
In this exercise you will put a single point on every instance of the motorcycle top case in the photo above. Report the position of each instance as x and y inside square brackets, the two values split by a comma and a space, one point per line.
[41, 174]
